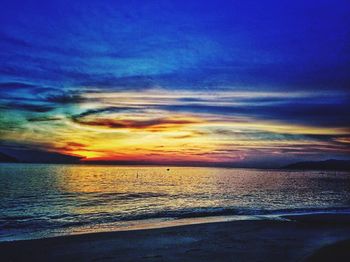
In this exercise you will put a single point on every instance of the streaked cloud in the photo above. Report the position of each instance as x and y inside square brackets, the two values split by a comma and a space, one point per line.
[229, 81]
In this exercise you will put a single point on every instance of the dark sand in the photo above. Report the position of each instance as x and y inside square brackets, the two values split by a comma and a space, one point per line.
[339, 251]
[304, 238]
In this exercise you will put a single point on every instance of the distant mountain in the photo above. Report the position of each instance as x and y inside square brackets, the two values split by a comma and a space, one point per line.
[330, 164]
[7, 159]
[37, 156]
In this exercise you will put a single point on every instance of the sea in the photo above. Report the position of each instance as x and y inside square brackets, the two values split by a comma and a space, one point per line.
[47, 200]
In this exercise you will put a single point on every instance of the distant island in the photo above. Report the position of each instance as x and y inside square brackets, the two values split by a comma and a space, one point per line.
[7, 159]
[56, 158]
[331, 164]
[37, 156]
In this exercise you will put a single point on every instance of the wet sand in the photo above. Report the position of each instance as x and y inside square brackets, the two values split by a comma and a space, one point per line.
[299, 239]
[339, 251]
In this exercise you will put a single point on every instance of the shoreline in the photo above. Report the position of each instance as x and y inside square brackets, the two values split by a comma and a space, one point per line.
[259, 240]
[157, 223]
[148, 224]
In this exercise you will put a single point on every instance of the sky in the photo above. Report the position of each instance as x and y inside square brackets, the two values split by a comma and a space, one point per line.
[257, 83]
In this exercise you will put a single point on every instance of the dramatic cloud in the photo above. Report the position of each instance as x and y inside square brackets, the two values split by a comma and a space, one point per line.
[136, 124]
[230, 81]
[64, 99]
[30, 107]
[43, 119]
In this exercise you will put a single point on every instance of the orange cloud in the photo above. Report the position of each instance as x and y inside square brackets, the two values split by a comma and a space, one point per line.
[155, 124]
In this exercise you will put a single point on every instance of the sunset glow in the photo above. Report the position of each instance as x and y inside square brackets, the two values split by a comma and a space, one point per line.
[112, 85]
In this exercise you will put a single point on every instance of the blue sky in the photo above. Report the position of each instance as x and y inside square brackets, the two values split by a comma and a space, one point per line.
[282, 63]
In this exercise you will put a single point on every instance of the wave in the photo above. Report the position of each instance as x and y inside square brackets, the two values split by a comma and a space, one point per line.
[76, 220]
[222, 211]
[30, 227]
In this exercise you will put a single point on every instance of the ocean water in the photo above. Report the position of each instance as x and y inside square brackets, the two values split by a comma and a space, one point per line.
[38, 200]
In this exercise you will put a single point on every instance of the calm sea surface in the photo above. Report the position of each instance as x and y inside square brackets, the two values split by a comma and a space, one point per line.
[49, 200]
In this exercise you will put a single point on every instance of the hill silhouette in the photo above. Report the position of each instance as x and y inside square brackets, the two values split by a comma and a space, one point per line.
[331, 164]
[7, 159]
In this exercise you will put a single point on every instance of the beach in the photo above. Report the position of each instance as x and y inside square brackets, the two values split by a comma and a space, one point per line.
[171, 130]
[295, 238]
